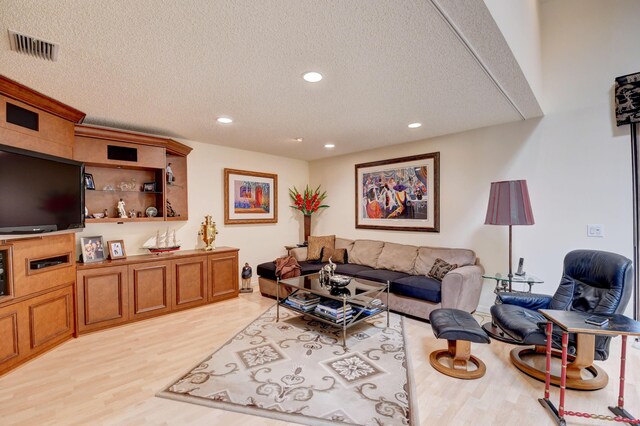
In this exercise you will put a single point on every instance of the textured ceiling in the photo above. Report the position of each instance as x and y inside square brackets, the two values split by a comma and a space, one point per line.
[172, 67]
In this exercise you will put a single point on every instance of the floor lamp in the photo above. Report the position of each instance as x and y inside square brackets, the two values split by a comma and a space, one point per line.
[627, 94]
[509, 204]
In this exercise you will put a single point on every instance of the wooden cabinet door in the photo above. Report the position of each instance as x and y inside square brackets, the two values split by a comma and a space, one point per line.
[34, 325]
[11, 349]
[190, 282]
[223, 276]
[103, 297]
[149, 289]
[51, 318]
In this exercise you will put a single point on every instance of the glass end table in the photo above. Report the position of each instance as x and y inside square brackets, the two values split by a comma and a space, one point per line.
[504, 285]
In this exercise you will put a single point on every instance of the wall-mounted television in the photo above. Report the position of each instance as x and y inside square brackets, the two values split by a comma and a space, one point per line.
[39, 193]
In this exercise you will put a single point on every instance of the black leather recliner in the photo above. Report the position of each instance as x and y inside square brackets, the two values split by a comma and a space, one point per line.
[592, 281]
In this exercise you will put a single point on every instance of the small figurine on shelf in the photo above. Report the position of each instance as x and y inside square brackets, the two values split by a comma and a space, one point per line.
[132, 213]
[170, 178]
[106, 212]
[122, 212]
[246, 279]
[170, 211]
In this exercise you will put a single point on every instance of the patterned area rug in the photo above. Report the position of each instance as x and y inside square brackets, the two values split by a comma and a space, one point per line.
[298, 371]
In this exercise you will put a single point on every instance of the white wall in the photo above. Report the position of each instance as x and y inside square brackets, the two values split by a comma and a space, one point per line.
[576, 162]
[519, 22]
[257, 243]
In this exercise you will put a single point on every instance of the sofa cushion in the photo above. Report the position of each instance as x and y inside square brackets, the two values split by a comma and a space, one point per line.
[268, 269]
[381, 275]
[428, 255]
[351, 269]
[397, 257]
[337, 255]
[316, 244]
[366, 252]
[441, 268]
[345, 244]
[419, 287]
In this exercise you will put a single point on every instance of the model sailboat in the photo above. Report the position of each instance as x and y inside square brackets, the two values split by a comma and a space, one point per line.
[162, 243]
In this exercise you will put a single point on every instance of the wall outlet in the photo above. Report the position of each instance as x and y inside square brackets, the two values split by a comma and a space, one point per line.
[595, 230]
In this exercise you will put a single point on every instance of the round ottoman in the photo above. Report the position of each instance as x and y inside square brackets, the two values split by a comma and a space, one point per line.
[460, 329]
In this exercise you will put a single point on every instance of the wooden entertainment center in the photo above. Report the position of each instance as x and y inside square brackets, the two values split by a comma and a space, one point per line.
[45, 296]
[120, 291]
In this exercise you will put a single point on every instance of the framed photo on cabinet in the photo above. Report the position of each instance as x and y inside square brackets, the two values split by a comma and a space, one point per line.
[116, 249]
[92, 249]
[250, 197]
[399, 194]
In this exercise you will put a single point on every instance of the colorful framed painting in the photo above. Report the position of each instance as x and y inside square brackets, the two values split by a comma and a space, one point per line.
[250, 197]
[400, 194]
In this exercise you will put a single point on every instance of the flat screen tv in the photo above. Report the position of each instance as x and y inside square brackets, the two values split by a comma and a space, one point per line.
[39, 193]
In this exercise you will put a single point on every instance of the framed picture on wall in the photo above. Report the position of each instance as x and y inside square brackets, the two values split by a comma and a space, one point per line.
[399, 194]
[92, 249]
[250, 197]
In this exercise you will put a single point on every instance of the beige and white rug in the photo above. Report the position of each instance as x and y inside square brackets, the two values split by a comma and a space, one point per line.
[297, 370]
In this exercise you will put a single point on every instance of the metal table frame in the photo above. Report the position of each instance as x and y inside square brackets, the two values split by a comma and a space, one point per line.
[355, 319]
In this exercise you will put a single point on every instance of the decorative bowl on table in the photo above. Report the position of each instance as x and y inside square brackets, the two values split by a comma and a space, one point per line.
[339, 280]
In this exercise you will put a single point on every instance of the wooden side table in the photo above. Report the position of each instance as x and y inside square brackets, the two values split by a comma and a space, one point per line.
[574, 322]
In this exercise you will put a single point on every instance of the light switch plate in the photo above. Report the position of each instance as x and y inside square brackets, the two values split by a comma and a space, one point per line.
[595, 230]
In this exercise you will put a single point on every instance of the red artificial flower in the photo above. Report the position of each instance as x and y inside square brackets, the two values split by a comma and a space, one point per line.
[309, 201]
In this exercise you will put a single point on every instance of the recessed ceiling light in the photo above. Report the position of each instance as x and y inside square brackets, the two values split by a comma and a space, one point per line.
[224, 120]
[312, 76]
[298, 139]
[414, 125]
[329, 145]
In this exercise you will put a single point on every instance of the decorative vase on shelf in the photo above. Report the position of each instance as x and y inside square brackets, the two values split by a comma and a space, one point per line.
[307, 227]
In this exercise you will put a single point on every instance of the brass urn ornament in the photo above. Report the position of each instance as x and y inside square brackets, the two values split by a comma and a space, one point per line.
[208, 233]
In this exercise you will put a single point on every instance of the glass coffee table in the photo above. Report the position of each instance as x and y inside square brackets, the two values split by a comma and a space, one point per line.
[364, 297]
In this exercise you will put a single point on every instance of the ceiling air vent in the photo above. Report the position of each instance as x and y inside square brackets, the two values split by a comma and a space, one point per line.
[30, 45]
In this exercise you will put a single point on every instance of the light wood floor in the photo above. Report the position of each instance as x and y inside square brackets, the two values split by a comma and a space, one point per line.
[111, 377]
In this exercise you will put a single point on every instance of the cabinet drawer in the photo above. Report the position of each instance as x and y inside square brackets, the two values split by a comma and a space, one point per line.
[28, 278]
[98, 152]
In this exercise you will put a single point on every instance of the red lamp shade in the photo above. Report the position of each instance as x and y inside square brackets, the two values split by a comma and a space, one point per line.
[509, 204]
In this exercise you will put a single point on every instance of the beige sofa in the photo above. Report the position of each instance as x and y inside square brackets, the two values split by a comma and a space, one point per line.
[405, 267]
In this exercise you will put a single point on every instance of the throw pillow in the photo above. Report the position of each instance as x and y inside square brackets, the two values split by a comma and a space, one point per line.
[440, 268]
[314, 250]
[366, 252]
[336, 255]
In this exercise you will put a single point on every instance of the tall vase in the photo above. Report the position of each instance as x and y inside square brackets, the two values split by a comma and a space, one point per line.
[307, 227]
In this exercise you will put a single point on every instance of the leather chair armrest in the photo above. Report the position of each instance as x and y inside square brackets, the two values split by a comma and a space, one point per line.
[531, 301]
[461, 288]
[300, 253]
